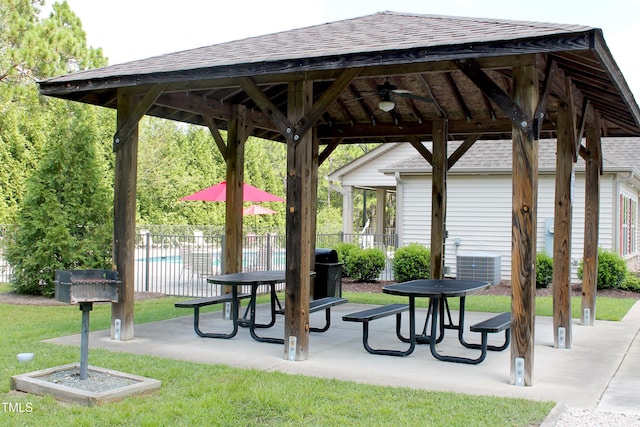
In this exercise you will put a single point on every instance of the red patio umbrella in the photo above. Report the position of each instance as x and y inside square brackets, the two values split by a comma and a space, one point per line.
[257, 210]
[218, 193]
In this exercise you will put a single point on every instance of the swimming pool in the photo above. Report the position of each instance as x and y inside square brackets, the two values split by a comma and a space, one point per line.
[176, 259]
[250, 258]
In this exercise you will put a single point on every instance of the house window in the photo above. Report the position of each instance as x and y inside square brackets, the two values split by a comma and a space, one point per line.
[628, 225]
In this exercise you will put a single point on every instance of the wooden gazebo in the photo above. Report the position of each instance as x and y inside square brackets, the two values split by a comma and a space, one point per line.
[443, 78]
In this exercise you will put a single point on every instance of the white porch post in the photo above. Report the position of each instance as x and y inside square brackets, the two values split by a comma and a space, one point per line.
[347, 210]
[381, 194]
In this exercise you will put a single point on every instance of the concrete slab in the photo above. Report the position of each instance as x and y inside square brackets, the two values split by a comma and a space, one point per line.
[577, 377]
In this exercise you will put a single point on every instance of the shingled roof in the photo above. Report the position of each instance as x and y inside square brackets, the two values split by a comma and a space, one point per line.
[496, 156]
[425, 55]
[381, 32]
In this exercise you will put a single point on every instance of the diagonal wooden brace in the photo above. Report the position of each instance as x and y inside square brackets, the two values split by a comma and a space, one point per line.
[494, 92]
[139, 111]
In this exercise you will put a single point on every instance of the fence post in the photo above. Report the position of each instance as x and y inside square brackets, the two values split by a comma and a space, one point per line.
[269, 251]
[147, 247]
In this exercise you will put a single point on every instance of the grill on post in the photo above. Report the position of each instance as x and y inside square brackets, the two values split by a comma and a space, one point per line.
[85, 287]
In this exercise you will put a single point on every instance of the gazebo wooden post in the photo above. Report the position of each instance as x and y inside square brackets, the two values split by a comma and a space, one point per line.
[591, 224]
[235, 179]
[298, 225]
[561, 282]
[315, 149]
[523, 246]
[438, 198]
[124, 220]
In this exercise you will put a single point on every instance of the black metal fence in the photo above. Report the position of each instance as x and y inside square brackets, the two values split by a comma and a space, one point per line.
[176, 260]
[5, 267]
[174, 264]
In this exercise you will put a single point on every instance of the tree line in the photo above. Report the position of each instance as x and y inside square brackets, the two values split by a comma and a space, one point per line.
[56, 159]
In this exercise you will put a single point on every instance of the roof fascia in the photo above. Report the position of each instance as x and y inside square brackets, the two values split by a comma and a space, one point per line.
[606, 59]
[362, 160]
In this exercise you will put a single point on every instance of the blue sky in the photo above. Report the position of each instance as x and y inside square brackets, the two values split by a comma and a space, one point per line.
[162, 26]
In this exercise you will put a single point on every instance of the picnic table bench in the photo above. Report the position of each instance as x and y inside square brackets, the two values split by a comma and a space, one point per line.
[197, 303]
[501, 322]
[365, 316]
[321, 304]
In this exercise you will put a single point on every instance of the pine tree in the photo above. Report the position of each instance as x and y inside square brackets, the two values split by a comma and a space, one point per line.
[65, 221]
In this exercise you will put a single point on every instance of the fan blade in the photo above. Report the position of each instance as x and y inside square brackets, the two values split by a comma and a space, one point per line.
[413, 96]
[360, 98]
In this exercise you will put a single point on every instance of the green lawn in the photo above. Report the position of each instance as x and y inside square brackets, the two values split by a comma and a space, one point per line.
[197, 394]
[607, 308]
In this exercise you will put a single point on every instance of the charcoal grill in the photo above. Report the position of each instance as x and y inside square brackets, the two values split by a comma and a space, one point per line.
[84, 287]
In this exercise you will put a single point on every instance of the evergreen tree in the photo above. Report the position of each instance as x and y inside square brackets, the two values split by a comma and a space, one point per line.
[52, 163]
[65, 221]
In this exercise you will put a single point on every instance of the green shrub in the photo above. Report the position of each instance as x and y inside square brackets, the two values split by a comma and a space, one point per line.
[344, 250]
[412, 262]
[365, 265]
[632, 282]
[612, 270]
[544, 270]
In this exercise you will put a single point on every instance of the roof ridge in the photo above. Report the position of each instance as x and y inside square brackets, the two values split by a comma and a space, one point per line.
[489, 20]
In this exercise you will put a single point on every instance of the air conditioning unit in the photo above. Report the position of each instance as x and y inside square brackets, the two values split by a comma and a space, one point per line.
[484, 266]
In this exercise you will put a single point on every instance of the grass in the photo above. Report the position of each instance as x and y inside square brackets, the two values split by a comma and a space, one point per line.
[607, 308]
[196, 394]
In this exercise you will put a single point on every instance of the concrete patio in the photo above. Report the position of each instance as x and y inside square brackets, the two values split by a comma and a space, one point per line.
[599, 372]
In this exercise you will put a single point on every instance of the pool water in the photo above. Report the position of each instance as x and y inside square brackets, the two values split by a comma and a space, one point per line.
[249, 258]
[176, 259]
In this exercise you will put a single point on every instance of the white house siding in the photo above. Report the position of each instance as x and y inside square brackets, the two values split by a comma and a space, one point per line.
[370, 176]
[479, 215]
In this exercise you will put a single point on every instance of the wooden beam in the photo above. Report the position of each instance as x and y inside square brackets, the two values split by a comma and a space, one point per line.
[298, 223]
[541, 108]
[593, 161]
[583, 123]
[523, 240]
[188, 102]
[457, 96]
[235, 179]
[330, 147]
[438, 198]
[131, 124]
[284, 126]
[456, 127]
[462, 149]
[515, 112]
[215, 132]
[424, 151]
[321, 104]
[570, 101]
[313, 208]
[562, 226]
[124, 218]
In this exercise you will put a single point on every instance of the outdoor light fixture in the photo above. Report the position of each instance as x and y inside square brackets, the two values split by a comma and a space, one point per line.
[386, 104]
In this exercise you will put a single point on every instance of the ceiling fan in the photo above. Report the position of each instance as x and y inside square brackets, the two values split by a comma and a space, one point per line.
[388, 91]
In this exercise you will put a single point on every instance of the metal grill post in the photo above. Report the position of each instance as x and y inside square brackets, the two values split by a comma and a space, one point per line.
[86, 308]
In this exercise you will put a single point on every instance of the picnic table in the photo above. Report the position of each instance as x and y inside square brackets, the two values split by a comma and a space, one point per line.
[254, 279]
[438, 291]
